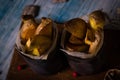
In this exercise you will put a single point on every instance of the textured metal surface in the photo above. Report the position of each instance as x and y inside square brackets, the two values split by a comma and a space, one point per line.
[10, 16]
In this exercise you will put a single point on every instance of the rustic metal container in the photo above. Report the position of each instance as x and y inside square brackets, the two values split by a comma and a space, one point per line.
[49, 63]
[82, 63]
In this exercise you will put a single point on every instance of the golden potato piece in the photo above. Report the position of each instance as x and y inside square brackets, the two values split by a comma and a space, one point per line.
[75, 40]
[45, 27]
[97, 19]
[38, 45]
[90, 35]
[77, 48]
[77, 27]
[28, 28]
